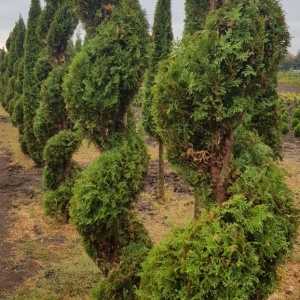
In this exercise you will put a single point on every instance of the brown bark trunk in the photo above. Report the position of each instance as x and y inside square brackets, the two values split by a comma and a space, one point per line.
[161, 172]
[220, 165]
[197, 206]
[212, 5]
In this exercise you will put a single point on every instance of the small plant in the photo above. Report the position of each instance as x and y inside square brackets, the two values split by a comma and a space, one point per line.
[285, 128]
[295, 122]
[297, 131]
[296, 113]
[284, 117]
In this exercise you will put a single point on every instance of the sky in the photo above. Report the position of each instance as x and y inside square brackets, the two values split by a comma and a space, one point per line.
[11, 9]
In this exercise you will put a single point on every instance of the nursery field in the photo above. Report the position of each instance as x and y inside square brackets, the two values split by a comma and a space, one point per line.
[43, 259]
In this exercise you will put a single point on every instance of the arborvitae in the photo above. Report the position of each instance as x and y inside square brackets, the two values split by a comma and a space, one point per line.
[103, 80]
[213, 79]
[265, 116]
[51, 68]
[195, 14]
[209, 88]
[162, 39]
[92, 13]
[106, 74]
[31, 92]
[51, 123]
[233, 251]
[18, 68]
[2, 72]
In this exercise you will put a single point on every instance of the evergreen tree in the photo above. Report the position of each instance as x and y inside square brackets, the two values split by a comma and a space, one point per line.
[31, 88]
[17, 61]
[209, 85]
[92, 13]
[162, 39]
[105, 76]
[3, 62]
[103, 80]
[51, 123]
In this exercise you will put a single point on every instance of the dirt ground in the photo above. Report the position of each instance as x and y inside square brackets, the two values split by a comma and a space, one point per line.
[17, 182]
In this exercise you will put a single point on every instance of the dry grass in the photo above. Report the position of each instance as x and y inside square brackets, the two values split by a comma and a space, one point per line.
[9, 138]
[289, 288]
[64, 271]
[86, 153]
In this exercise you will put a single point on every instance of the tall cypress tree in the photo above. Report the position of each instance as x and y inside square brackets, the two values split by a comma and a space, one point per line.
[31, 93]
[162, 39]
[15, 90]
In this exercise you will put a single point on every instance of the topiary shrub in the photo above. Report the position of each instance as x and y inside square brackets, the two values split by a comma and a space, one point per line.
[56, 202]
[296, 113]
[233, 250]
[103, 196]
[297, 131]
[285, 128]
[295, 122]
[57, 154]
[123, 279]
[285, 117]
[59, 173]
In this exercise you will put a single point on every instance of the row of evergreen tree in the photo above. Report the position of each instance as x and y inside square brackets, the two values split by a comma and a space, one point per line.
[210, 99]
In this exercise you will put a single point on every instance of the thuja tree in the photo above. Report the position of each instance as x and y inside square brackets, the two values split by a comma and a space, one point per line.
[102, 211]
[2, 71]
[162, 39]
[15, 52]
[31, 88]
[208, 87]
[105, 76]
[100, 87]
[52, 116]
[231, 251]
[265, 117]
[92, 13]
[196, 12]
[18, 68]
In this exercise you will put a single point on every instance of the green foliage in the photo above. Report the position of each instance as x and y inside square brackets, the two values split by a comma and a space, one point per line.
[297, 131]
[296, 113]
[105, 76]
[233, 250]
[58, 154]
[195, 14]
[103, 196]
[42, 67]
[61, 30]
[162, 39]
[92, 13]
[56, 202]
[285, 129]
[51, 114]
[122, 281]
[31, 87]
[285, 117]
[295, 122]
[205, 87]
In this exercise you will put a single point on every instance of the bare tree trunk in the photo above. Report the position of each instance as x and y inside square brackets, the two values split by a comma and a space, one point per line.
[197, 206]
[221, 164]
[161, 172]
[212, 5]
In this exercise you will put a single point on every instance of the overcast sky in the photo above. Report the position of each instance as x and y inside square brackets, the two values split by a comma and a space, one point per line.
[11, 9]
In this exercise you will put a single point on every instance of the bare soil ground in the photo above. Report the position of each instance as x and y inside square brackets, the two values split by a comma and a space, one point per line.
[41, 259]
[15, 183]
